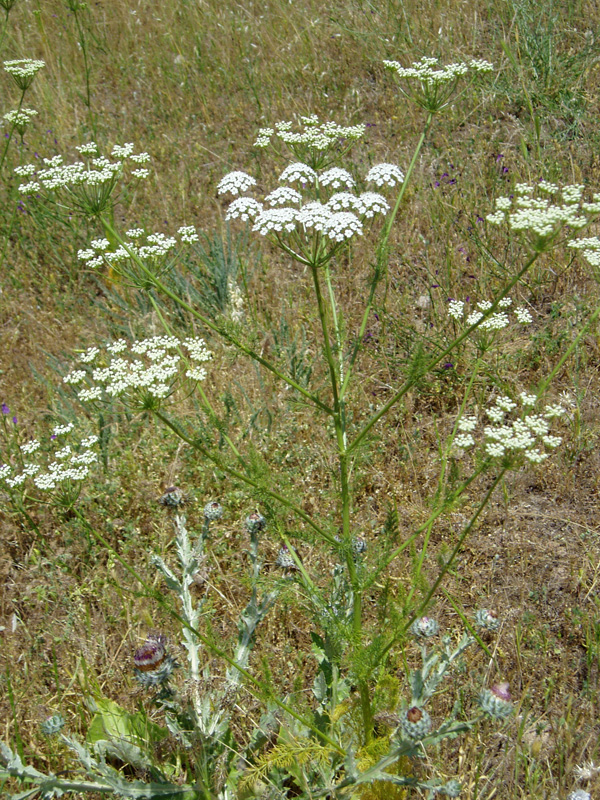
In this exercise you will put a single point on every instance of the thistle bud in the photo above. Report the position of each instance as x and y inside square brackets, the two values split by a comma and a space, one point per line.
[213, 511]
[152, 665]
[451, 788]
[496, 701]
[172, 498]
[487, 619]
[52, 725]
[255, 522]
[415, 723]
[424, 627]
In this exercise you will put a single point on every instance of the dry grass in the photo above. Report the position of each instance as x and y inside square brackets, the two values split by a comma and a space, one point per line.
[191, 82]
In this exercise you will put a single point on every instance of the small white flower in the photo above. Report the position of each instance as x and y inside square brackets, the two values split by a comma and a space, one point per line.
[244, 208]
[30, 188]
[494, 449]
[278, 220]
[464, 440]
[535, 456]
[505, 403]
[117, 347]
[523, 316]
[235, 183]
[282, 196]
[343, 226]
[336, 178]
[554, 411]
[298, 172]
[25, 171]
[140, 173]
[75, 377]
[140, 158]
[467, 424]
[30, 447]
[188, 234]
[495, 414]
[314, 215]
[196, 374]
[385, 175]
[61, 430]
[456, 309]
[370, 203]
[342, 201]
[89, 355]
[122, 151]
[528, 399]
[94, 393]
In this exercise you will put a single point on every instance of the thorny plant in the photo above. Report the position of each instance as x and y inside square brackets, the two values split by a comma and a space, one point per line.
[314, 216]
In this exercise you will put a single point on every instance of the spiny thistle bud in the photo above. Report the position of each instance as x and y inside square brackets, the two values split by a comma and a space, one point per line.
[424, 627]
[152, 664]
[487, 619]
[285, 561]
[496, 701]
[52, 725]
[451, 789]
[359, 546]
[172, 498]
[213, 511]
[415, 723]
[255, 522]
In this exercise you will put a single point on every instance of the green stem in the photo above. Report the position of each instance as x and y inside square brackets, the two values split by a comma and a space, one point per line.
[436, 359]
[157, 284]
[381, 253]
[245, 478]
[160, 599]
[392, 217]
[457, 548]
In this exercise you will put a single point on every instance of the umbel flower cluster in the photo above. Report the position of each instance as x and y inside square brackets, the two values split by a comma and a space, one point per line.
[85, 185]
[435, 83]
[49, 466]
[528, 434]
[23, 71]
[149, 247]
[141, 373]
[20, 118]
[541, 214]
[324, 205]
[316, 144]
[494, 321]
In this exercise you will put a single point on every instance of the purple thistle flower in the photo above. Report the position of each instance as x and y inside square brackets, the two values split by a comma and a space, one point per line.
[5, 409]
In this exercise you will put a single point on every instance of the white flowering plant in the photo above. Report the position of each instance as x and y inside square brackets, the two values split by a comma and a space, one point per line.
[432, 85]
[48, 470]
[87, 185]
[314, 216]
